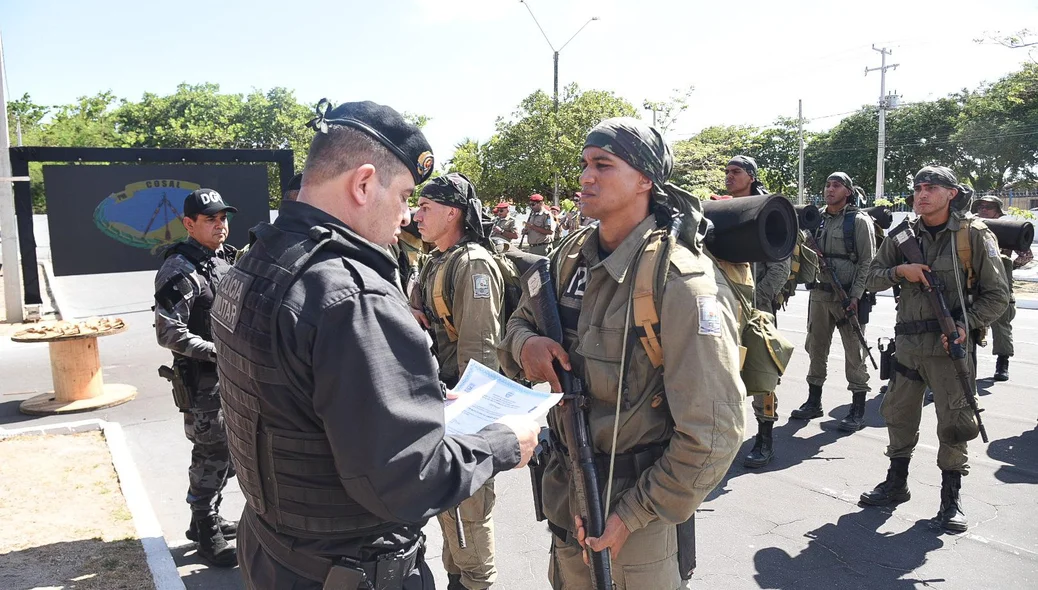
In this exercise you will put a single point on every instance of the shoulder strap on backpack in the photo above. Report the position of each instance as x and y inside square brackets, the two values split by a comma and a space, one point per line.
[441, 296]
[964, 247]
[850, 214]
[646, 305]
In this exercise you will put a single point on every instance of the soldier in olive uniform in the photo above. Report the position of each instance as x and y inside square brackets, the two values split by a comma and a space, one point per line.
[922, 360]
[460, 296]
[990, 207]
[826, 311]
[540, 227]
[679, 428]
[185, 287]
[741, 180]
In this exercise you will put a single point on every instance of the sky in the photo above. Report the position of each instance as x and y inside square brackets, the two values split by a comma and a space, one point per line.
[464, 63]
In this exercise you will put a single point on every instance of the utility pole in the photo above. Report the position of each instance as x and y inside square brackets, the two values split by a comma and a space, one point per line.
[555, 59]
[800, 172]
[655, 107]
[882, 144]
[8, 225]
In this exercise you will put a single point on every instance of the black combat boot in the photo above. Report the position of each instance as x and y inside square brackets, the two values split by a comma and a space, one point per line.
[950, 517]
[1002, 368]
[762, 452]
[229, 528]
[855, 419]
[894, 489]
[212, 546]
[812, 408]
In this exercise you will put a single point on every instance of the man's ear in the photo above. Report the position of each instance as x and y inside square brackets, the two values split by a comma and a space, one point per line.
[189, 223]
[644, 183]
[360, 184]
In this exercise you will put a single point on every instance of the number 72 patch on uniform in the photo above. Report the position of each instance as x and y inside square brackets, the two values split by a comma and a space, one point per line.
[481, 286]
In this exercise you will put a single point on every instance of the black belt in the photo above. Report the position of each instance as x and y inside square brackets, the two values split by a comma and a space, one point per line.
[917, 327]
[387, 572]
[827, 287]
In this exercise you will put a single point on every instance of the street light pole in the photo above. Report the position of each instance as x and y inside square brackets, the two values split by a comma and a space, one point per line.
[882, 142]
[555, 59]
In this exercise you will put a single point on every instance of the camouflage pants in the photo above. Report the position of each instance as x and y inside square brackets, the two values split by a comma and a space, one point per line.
[902, 409]
[649, 560]
[210, 459]
[1002, 332]
[474, 563]
[822, 318]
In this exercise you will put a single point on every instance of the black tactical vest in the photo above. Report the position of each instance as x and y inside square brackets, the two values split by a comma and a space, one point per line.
[211, 269]
[286, 471]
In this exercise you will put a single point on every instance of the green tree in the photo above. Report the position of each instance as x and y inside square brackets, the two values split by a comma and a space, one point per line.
[665, 113]
[777, 152]
[699, 161]
[530, 148]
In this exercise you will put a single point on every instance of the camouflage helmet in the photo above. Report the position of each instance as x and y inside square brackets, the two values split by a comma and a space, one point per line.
[987, 199]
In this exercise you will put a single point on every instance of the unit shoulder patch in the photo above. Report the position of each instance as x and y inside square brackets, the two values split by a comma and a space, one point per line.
[481, 286]
[709, 315]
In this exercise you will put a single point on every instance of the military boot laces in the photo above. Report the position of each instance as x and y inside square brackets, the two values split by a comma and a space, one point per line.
[212, 546]
[855, 419]
[1002, 368]
[951, 517]
[763, 451]
[894, 489]
[229, 528]
[812, 408]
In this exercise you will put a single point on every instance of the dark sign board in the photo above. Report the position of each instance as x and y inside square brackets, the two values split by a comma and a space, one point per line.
[119, 218]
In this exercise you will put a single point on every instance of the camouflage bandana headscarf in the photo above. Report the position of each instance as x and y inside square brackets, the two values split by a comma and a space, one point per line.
[644, 149]
[455, 190]
[942, 176]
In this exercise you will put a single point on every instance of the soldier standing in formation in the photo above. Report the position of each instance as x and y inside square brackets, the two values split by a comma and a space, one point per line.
[990, 207]
[185, 287]
[334, 400]
[679, 429]
[540, 227]
[460, 297]
[848, 242]
[740, 179]
[922, 360]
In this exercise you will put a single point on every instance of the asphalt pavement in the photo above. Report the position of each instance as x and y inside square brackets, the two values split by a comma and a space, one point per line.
[795, 524]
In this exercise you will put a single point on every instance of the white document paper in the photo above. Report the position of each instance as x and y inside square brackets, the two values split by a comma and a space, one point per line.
[485, 396]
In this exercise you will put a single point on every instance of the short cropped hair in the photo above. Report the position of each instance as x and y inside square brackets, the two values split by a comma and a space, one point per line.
[345, 148]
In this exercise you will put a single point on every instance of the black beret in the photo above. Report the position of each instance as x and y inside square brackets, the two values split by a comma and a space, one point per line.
[405, 140]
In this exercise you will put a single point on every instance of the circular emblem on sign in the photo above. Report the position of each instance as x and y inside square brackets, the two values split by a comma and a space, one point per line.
[146, 214]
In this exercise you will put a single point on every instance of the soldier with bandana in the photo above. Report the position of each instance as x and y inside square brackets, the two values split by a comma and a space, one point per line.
[922, 359]
[460, 297]
[673, 422]
[990, 207]
[741, 180]
[184, 290]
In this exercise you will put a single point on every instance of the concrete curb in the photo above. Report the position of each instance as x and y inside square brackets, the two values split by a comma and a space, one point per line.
[160, 561]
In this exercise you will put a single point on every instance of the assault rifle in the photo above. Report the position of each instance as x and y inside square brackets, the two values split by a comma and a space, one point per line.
[537, 284]
[852, 317]
[909, 247]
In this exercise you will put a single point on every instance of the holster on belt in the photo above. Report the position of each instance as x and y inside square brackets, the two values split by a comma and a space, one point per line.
[538, 464]
[886, 358]
[687, 547]
[178, 375]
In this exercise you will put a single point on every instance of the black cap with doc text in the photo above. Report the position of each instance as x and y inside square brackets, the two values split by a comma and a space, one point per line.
[205, 201]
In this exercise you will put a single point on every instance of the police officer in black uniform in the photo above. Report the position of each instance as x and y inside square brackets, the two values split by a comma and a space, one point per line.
[184, 290]
[334, 407]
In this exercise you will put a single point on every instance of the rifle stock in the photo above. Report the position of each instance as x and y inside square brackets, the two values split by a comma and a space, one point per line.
[957, 352]
[538, 285]
[823, 264]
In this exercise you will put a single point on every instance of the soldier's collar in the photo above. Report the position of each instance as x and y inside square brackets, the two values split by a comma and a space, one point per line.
[196, 244]
[621, 260]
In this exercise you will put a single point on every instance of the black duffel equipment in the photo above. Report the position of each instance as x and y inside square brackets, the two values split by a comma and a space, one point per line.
[882, 215]
[809, 216]
[760, 228]
[1012, 234]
